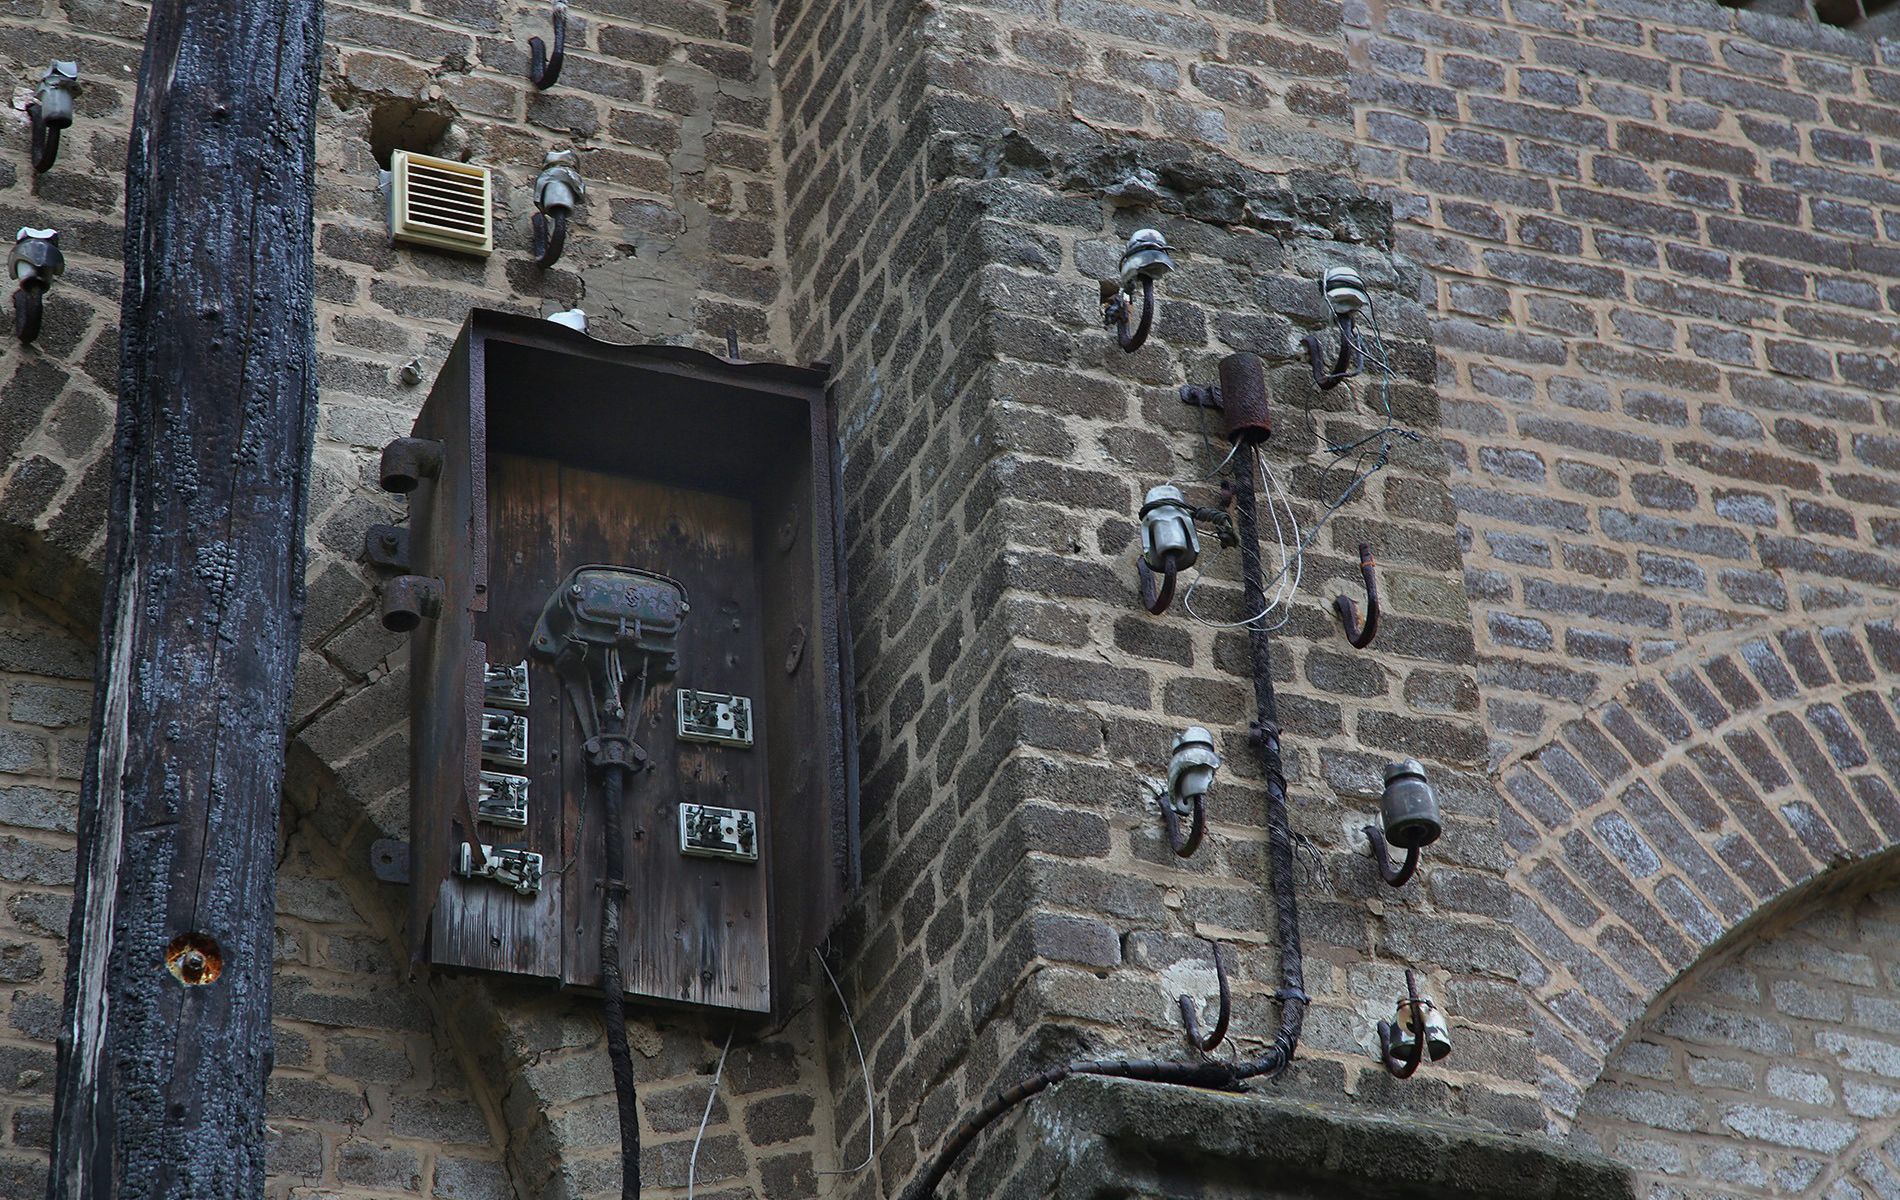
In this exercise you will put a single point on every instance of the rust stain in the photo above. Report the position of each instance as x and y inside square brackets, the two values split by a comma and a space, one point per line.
[194, 959]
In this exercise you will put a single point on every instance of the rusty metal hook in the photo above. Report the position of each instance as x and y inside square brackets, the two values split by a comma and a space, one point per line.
[1344, 367]
[1185, 848]
[1156, 598]
[1349, 612]
[27, 311]
[1115, 313]
[544, 69]
[45, 140]
[1192, 1021]
[550, 237]
[1397, 876]
[1400, 1066]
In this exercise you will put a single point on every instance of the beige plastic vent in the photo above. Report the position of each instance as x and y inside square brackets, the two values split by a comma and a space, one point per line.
[441, 203]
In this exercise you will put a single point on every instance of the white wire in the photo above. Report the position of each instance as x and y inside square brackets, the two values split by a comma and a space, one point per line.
[870, 1100]
[1376, 355]
[692, 1164]
[1175, 481]
[1285, 587]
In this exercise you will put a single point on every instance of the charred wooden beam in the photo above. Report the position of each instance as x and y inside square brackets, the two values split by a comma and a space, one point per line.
[165, 1044]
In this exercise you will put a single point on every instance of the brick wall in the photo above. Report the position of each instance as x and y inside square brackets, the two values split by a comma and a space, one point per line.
[1012, 703]
[1657, 239]
[1770, 1070]
[1636, 563]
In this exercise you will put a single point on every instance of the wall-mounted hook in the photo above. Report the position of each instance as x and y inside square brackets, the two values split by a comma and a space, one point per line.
[1190, 1011]
[1409, 819]
[1145, 260]
[1191, 770]
[1197, 828]
[33, 263]
[1157, 594]
[557, 189]
[1417, 1032]
[1347, 296]
[52, 111]
[1359, 636]
[1397, 876]
[544, 69]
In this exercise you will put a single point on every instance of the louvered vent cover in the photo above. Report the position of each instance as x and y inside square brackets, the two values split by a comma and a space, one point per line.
[441, 203]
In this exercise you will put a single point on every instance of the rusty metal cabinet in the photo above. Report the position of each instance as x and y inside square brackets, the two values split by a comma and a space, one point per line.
[540, 450]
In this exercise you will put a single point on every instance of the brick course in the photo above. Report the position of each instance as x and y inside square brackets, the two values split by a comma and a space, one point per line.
[1632, 262]
[1768, 1070]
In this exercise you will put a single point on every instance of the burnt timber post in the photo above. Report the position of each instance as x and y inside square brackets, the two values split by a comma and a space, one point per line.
[165, 1042]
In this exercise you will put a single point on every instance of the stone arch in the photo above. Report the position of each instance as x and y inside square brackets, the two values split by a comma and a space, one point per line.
[1772, 1066]
[1689, 802]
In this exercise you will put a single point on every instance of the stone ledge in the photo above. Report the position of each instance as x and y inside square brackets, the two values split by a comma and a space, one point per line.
[1093, 1138]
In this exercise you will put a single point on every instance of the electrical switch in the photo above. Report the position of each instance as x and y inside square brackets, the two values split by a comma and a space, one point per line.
[504, 686]
[503, 799]
[511, 866]
[707, 831]
[505, 738]
[715, 717]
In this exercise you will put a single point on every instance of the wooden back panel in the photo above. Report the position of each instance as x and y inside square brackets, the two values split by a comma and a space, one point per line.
[722, 475]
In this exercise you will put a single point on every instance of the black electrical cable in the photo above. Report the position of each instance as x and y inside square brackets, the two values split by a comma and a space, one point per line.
[613, 1006]
[1266, 735]
[1208, 1074]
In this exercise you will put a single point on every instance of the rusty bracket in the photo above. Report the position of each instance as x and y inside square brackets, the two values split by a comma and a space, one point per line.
[407, 462]
[1189, 1008]
[1116, 315]
[1157, 592]
[544, 67]
[389, 860]
[408, 600]
[386, 547]
[1345, 366]
[1397, 876]
[1360, 636]
[1184, 847]
[1195, 396]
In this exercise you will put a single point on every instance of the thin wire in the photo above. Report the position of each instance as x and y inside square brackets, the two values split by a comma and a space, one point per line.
[1285, 588]
[870, 1100]
[1359, 450]
[692, 1163]
[1175, 481]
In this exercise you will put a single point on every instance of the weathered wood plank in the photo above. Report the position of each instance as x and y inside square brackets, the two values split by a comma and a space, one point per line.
[479, 924]
[695, 929]
[162, 1074]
